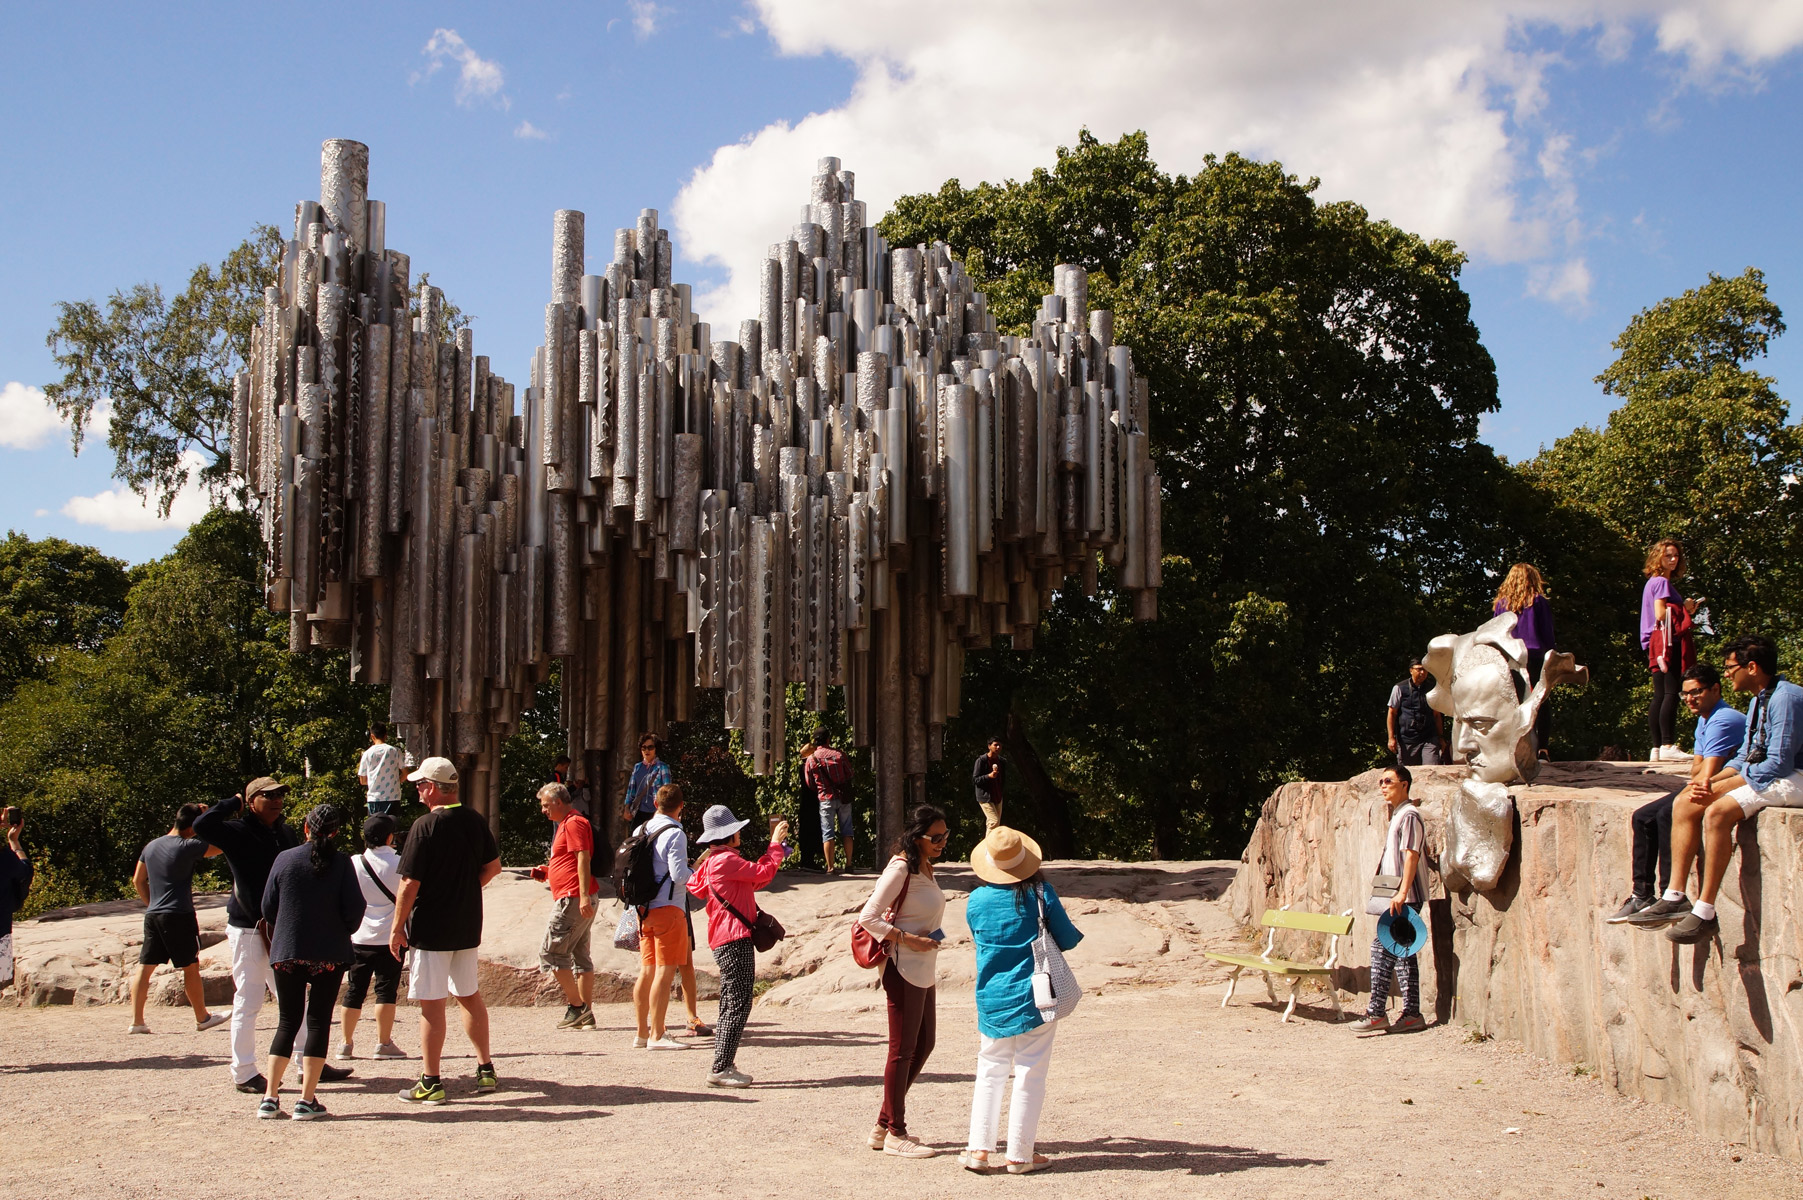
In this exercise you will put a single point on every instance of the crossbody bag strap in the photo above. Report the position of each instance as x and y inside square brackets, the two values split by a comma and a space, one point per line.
[363, 861]
[727, 905]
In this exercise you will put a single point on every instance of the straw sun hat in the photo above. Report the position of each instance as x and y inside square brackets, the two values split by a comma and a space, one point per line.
[1006, 856]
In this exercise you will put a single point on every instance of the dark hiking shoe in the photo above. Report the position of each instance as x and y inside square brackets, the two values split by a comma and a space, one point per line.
[331, 1074]
[1659, 914]
[1635, 904]
[1692, 929]
[256, 1085]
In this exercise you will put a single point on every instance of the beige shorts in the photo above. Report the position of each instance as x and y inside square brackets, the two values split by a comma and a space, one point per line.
[435, 974]
[1784, 792]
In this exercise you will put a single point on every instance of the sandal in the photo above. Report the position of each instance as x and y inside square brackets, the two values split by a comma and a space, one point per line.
[1027, 1168]
[697, 1029]
[970, 1161]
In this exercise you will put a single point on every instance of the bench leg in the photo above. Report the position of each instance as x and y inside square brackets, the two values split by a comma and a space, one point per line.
[1295, 986]
[1270, 992]
[1232, 980]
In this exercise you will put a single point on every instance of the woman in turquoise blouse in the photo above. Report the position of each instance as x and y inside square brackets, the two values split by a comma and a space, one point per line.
[1015, 1040]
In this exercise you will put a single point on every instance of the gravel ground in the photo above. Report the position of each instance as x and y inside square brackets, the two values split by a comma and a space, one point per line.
[1153, 1091]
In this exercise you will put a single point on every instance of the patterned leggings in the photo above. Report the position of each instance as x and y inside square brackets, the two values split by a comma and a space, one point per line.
[738, 962]
[1407, 972]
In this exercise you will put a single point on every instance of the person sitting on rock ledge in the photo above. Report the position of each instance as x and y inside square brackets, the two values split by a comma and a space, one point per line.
[1720, 731]
[1763, 774]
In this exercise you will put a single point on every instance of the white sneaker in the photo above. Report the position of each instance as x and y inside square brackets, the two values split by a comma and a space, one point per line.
[907, 1147]
[139, 1029]
[732, 1077]
[665, 1043]
[1673, 754]
[638, 1043]
[389, 1050]
[213, 1021]
[346, 1052]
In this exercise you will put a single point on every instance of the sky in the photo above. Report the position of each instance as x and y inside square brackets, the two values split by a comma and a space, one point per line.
[1590, 156]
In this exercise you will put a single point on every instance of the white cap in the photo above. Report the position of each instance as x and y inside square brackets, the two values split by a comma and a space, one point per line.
[438, 770]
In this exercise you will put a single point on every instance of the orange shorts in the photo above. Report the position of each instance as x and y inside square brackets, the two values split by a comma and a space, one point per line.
[664, 938]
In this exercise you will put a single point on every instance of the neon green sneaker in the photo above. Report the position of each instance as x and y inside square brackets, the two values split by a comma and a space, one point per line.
[485, 1078]
[424, 1093]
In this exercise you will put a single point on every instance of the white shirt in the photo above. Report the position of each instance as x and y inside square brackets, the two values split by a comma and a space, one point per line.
[920, 913]
[378, 912]
[1407, 832]
[381, 765]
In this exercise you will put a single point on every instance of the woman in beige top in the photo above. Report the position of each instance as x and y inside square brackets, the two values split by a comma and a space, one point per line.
[912, 933]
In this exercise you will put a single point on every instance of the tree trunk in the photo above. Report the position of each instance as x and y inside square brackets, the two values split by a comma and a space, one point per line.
[1051, 801]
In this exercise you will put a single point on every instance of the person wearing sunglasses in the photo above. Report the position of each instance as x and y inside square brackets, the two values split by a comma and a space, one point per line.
[648, 774]
[904, 911]
[1720, 730]
[1763, 774]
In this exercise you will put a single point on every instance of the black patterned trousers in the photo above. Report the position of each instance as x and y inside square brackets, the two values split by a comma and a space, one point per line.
[1407, 972]
[738, 962]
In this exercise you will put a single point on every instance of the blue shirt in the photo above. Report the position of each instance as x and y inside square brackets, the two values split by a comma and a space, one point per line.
[1004, 931]
[669, 861]
[641, 789]
[1779, 729]
[1720, 731]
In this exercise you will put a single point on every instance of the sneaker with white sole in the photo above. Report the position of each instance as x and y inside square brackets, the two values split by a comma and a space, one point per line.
[269, 1109]
[639, 1043]
[389, 1050]
[308, 1110]
[1633, 905]
[1408, 1023]
[346, 1052]
[1367, 1026]
[139, 1029]
[903, 1146]
[877, 1137]
[213, 1021]
[665, 1043]
[732, 1077]
[1659, 913]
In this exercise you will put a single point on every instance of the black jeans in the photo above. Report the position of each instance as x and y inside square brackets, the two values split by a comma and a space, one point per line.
[1662, 713]
[1653, 849]
[314, 993]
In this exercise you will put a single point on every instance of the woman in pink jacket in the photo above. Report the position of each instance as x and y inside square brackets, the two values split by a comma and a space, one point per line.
[728, 881]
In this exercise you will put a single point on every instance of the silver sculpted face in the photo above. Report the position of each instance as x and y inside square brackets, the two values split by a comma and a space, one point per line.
[1483, 685]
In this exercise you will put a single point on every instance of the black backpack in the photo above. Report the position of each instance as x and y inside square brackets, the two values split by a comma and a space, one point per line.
[635, 882]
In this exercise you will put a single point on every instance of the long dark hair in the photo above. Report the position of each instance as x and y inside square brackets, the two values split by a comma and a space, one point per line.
[1023, 889]
[922, 819]
[323, 824]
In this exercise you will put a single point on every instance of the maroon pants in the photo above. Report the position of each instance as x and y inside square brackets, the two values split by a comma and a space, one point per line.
[911, 1028]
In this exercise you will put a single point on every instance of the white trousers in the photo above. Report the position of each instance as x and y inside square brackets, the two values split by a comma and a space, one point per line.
[1028, 1057]
[252, 982]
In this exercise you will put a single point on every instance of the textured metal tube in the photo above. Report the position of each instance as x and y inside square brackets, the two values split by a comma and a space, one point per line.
[685, 499]
[373, 459]
[960, 483]
[344, 188]
[566, 256]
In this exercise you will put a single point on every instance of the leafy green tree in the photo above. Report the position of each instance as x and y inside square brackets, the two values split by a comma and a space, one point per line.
[54, 596]
[1317, 384]
[165, 367]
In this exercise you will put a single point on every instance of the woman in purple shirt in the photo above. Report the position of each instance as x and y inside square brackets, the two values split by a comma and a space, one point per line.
[1523, 592]
[1664, 612]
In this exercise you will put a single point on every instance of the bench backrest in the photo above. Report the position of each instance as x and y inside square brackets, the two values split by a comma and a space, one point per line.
[1278, 918]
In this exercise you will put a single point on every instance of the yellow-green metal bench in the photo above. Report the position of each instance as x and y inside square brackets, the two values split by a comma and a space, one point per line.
[1282, 918]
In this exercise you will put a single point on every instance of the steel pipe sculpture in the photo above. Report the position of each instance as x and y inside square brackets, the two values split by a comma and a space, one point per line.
[867, 483]
[1481, 680]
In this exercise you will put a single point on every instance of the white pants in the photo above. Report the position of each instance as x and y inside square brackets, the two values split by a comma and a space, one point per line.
[1028, 1057]
[252, 982]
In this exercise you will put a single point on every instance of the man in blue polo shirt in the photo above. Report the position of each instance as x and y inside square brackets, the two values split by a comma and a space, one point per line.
[1720, 731]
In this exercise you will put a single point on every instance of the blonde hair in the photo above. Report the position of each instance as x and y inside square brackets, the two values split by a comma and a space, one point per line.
[1521, 587]
[1655, 558]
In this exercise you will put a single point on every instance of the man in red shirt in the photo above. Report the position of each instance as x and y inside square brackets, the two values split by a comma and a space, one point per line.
[570, 873]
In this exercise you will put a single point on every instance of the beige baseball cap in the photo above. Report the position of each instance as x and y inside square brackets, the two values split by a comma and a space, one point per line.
[438, 770]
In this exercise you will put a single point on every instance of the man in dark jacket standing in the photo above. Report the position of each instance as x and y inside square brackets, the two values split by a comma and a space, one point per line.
[251, 830]
[15, 883]
[1417, 734]
[986, 778]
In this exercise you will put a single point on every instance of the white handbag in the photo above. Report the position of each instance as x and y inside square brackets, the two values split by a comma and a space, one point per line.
[1055, 989]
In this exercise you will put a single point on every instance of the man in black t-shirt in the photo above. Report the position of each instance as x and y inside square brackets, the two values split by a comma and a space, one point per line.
[986, 778]
[165, 881]
[449, 858]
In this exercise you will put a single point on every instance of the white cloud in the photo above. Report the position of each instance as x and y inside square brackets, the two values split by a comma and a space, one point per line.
[531, 132]
[645, 15]
[26, 418]
[478, 79]
[1432, 116]
[122, 510]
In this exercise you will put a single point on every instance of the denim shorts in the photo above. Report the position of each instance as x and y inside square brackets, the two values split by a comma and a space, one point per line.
[835, 820]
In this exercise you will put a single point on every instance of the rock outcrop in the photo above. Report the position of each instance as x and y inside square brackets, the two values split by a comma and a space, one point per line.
[1716, 1028]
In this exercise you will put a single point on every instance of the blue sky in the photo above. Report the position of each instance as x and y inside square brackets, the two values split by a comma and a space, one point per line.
[1593, 156]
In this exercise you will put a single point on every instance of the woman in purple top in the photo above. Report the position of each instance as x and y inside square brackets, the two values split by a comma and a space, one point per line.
[1659, 613]
[1523, 592]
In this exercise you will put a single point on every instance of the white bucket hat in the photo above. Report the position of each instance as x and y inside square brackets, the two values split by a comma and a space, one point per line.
[718, 824]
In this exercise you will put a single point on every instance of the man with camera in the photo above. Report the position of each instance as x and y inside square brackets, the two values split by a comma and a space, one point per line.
[1764, 774]
[15, 883]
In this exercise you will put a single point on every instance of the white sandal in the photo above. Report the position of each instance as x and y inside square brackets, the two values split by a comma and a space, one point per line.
[970, 1161]
[1027, 1168]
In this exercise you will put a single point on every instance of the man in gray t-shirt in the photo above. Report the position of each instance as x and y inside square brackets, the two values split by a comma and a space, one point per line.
[164, 879]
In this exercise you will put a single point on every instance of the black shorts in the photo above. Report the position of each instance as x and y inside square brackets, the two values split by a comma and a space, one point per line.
[172, 938]
[379, 963]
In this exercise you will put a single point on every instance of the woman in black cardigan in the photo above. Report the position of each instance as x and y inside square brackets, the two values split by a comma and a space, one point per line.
[311, 906]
